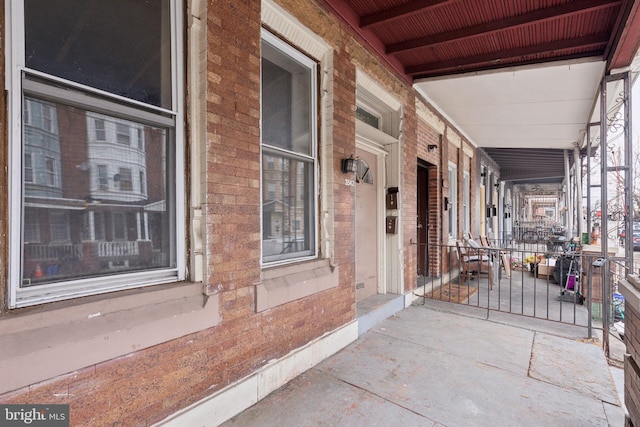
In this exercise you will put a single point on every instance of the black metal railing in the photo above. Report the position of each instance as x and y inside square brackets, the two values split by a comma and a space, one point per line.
[526, 279]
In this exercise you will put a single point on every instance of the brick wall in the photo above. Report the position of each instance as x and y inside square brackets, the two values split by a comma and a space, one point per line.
[147, 385]
[409, 194]
[426, 136]
[631, 369]
[630, 287]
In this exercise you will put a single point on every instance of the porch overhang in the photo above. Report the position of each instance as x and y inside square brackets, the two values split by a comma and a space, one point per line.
[509, 75]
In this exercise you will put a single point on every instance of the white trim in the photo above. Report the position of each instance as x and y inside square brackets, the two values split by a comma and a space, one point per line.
[466, 202]
[372, 134]
[14, 16]
[230, 401]
[280, 21]
[75, 97]
[388, 141]
[197, 90]
[467, 149]
[381, 100]
[453, 201]
[291, 29]
[15, 69]
[305, 61]
[425, 114]
[454, 138]
[377, 100]
[380, 153]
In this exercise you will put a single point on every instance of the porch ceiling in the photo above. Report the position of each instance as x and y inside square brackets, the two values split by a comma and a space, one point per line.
[508, 73]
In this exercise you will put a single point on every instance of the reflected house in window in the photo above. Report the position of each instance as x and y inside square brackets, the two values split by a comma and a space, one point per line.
[94, 198]
[284, 202]
[288, 152]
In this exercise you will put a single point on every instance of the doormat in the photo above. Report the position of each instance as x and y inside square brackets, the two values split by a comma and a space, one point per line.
[452, 292]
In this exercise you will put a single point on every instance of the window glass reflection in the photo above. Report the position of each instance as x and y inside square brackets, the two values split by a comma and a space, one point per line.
[118, 46]
[94, 194]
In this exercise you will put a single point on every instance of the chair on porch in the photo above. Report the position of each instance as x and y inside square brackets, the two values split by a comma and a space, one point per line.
[474, 262]
[505, 261]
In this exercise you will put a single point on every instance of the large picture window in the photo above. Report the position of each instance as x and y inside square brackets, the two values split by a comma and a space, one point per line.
[289, 159]
[95, 98]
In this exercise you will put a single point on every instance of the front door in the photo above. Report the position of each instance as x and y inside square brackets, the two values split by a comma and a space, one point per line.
[423, 220]
[367, 232]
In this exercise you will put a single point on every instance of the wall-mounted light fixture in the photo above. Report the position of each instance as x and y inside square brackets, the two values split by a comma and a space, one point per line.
[497, 185]
[432, 147]
[483, 174]
[349, 165]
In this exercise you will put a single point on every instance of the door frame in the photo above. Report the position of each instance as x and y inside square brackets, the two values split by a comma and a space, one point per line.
[386, 140]
[422, 191]
[366, 144]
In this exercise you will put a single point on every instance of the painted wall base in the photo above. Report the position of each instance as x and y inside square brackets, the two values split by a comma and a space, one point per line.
[230, 401]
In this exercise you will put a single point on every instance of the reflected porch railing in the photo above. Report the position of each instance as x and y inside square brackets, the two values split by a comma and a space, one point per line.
[36, 252]
[117, 249]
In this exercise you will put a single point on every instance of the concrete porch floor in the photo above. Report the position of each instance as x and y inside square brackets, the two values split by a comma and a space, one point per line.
[442, 364]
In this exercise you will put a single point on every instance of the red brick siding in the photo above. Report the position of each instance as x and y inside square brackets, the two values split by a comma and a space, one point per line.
[631, 369]
[429, 136]
[408, 195]
[147, 385]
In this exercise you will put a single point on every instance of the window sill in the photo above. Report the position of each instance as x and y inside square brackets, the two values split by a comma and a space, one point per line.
[74, 334]
[281, 285]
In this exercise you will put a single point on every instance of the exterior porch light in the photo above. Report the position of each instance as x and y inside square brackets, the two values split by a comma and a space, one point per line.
[432, 147]
[349, 165]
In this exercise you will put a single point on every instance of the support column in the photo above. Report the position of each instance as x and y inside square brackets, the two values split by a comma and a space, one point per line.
[567, 194]
[138, 226]
[577, 165]
[92, 226]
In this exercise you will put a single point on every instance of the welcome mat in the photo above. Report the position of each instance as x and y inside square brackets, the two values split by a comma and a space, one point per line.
[452, 293]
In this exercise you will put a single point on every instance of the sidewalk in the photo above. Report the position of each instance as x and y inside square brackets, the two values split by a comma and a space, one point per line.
[447, 365]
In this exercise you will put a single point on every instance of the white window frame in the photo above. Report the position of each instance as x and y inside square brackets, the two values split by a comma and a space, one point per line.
[28, 113]
[139, 132]
[123, 130]
[304, 60]
[453, 200]
[48, 119]
[100, 131]
[143, 182]
[30, 169]
[103, 178]
[51, 178]
[87, 96]
[128, 173]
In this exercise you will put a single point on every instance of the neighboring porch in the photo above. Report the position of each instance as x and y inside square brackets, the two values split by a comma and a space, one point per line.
[546, 281]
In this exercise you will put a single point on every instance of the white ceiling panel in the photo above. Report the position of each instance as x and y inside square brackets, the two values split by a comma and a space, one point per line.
[535, 107]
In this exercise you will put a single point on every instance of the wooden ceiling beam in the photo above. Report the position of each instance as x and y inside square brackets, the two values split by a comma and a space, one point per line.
[400, 11]
[538, 16]
[595, 43]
